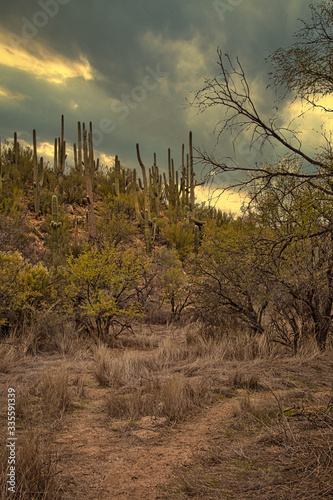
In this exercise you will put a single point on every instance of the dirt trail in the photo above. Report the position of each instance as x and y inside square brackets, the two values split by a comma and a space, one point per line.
[109, 462]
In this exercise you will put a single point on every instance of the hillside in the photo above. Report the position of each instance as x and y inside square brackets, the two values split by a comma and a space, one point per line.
[155, 348]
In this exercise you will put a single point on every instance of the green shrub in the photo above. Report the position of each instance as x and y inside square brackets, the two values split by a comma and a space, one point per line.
[24, 288]
[102, 288]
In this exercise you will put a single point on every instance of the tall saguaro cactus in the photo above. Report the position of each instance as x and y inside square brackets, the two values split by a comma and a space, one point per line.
[4, 169]
[38, 175]
[88, 171]
[191, 174]
[79, 148]
[155, 186]
[116, 186]
[136, 201]
[16, 150]
[145, 182]
[55, 224]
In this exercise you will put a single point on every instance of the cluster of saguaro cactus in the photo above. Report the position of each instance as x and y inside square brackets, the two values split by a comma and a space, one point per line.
[38, 174]
[174, 189]
[177, 194]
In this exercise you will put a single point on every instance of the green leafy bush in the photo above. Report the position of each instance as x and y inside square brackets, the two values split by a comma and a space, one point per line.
[24, 288]
[102, 288]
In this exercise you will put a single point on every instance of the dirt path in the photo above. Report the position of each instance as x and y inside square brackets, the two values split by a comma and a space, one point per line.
[107, 461]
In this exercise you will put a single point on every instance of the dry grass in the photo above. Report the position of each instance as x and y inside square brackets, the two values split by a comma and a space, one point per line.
[128, 369]
[282, 448]
[54, 394]
[182, 374]
[44, 399]
[173, 397]
[278, 439]
[9, 356]
[36, 474]
[47, 333]
[40, 404]
[240, 347]
[241, 380]
[184, 371]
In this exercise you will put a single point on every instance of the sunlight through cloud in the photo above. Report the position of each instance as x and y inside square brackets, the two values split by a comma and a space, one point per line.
[42, 63]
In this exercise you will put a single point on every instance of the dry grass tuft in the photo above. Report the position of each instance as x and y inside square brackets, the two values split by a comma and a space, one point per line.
[9, 356]
[173, 397]
[51, 394]
[35, 471]
[129, 369]
[240, 380]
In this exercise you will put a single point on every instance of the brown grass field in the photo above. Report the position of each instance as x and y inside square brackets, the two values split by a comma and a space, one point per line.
[167, 414]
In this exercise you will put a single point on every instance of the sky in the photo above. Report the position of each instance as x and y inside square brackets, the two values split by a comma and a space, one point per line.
[131, 67]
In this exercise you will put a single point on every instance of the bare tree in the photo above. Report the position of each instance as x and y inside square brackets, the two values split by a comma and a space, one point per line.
[306, 70]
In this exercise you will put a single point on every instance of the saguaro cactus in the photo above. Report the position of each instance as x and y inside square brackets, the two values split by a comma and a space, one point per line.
[136, 201]
[4, 169]
[155, 186]
[38, 175]
[16, 150]
[60, 156]
[88, 170]
[116, 185]
[55, 224]
[145, 182]
[192, 174]
[147, 232]
[196, 238]
[79, 148]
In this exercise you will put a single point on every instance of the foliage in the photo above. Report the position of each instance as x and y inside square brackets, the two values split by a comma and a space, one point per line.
[297, 222]
[172, 282]
[102, 285]
[228, 279]
[180, 237]
[115, 224]
[24, 288]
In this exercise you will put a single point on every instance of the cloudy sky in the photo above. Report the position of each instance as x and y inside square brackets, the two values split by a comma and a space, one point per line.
[129, 66]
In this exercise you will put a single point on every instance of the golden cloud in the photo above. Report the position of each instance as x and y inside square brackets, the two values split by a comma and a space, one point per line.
[9, 95]
[228, 201]
[42, 63]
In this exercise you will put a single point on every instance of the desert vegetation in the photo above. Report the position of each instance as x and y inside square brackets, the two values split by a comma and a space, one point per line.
[131, 311]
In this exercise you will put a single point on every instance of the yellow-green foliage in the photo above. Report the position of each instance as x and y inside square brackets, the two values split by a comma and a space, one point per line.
[24, 288]
[101, 285]
[181, 238]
